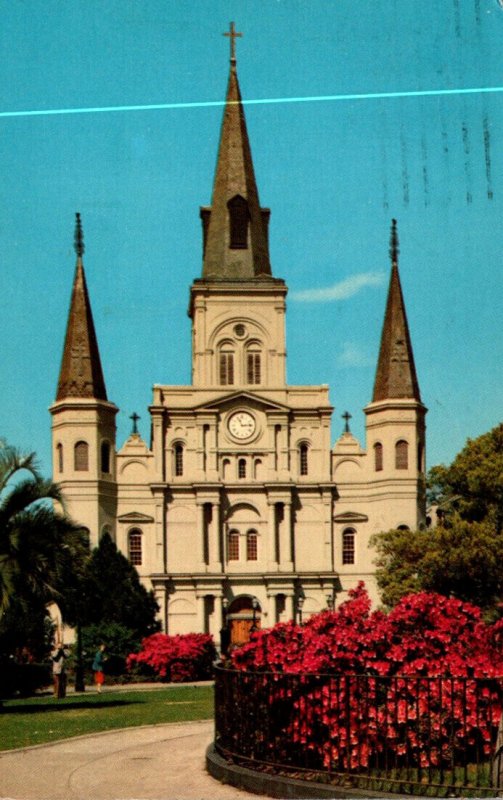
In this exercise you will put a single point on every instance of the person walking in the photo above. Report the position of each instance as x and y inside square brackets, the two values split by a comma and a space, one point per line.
[58, 656]
[99, 660]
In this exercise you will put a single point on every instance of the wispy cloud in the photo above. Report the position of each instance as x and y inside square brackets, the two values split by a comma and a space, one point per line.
[352, 355]
[340, 291]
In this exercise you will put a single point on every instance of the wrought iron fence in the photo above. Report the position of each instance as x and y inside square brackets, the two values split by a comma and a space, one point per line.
[438, 736]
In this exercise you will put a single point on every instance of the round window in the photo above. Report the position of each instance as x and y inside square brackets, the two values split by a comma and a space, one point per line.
[239, 330]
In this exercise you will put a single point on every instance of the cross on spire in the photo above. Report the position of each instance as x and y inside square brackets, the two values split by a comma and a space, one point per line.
[233, 35]
[135, 417]
[346, 417]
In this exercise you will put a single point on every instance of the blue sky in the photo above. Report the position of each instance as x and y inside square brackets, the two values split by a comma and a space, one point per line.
[334, 173]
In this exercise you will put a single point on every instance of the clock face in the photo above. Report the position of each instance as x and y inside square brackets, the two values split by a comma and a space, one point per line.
[241, 425]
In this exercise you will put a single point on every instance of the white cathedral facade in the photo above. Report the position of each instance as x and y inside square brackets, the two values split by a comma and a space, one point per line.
[239, 509]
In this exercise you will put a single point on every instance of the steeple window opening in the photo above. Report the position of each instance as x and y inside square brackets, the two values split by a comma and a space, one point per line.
[378, 457]
[251, 546]
[59, 457]
[179, 458]
[401, 455]
[81, 457]
[253, 365]
[242, 468]
[233, 546]
[303, 459]
[226, 366]
[105, 457]
[135, 549]
[239, 217]
[348, 546]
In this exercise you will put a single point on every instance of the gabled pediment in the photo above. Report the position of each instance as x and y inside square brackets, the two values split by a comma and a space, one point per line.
[350, 517]
[241, 398]
[135, 516]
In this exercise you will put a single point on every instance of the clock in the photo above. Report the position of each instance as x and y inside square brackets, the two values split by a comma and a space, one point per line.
[241, 425]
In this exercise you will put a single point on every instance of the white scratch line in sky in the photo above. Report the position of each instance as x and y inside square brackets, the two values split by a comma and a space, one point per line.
[266, 101]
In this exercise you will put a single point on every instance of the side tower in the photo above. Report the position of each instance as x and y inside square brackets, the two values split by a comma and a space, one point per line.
[395, 422]
[83, 420]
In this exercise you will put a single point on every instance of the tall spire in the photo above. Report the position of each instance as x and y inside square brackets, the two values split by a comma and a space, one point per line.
[235, 226]
[81, 374]
[396, 373]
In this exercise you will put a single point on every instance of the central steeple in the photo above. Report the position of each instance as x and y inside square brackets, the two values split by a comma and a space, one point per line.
[235, 226]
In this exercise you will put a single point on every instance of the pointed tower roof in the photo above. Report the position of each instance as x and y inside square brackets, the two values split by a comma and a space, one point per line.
[81, 374]
[235, 227]
[396, 373]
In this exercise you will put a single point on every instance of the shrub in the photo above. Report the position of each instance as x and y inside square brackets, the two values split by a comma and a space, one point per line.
[180, 658]
[425, 636]
[119, 641]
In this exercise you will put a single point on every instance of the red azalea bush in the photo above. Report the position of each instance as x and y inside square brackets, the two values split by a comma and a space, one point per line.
[428, 692]
[180, 658]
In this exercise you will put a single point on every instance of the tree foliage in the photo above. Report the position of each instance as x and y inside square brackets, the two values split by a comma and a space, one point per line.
[459, 558]
[473, 484]
[111, 592]
[39, 545]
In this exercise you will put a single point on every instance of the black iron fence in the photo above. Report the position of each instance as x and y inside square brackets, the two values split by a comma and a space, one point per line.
[435, 736]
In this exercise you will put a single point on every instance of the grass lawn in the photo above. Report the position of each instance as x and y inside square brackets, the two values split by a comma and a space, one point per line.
[44, 719]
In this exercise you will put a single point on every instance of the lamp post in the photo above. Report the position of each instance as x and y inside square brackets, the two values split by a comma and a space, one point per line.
[330, 602]
[300, 603]
[225, 637]
[254, 621]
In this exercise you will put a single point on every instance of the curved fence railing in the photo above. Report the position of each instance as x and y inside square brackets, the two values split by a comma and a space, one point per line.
[423, 735]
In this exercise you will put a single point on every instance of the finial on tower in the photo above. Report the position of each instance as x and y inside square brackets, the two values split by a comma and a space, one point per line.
[233, 35]
[393, 245]
[79, 236]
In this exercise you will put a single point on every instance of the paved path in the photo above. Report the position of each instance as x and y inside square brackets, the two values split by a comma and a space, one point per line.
[157, 762]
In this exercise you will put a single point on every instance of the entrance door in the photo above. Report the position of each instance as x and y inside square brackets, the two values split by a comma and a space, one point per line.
[240, 618]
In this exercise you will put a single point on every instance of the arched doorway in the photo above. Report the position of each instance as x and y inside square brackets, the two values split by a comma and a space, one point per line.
[241, 617]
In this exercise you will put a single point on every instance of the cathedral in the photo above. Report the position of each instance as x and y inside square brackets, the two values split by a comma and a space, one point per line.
[239, 512]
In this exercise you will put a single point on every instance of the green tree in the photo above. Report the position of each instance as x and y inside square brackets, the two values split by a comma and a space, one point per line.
[112, 592]
[460, 558]
[473, 483]
[39, 545]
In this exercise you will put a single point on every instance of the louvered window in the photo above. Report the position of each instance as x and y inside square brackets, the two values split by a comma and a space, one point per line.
[81, 454]
[226, 368]
[233, 546]
[348, 546]
[251, 546]
[401, 455]
[253, 372]
[378, 461]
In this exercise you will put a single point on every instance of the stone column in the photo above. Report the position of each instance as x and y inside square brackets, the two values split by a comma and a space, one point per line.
[285, 540]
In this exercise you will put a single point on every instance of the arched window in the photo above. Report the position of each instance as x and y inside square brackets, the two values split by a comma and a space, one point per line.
[238, 218]
[378, 457]
[226, 366]
[253, 365]
[242, 468]
[401, 455]
[303, 459]
[233, 546]
[105, 457]
[81, 457]
[348, 546]
[251, 546]
[135, 547]
[178, 459]
[59, 457]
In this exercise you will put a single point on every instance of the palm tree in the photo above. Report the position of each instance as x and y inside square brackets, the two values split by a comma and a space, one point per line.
[39, 546]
